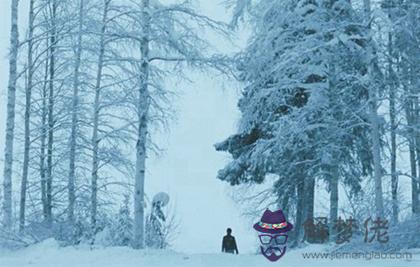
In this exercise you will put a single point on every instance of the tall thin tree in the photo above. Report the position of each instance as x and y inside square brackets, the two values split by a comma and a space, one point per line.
[50, 108]
[142, 110]
[374, 120]
[10, 121]
[96, 111]
[28, 100]
[74, 116]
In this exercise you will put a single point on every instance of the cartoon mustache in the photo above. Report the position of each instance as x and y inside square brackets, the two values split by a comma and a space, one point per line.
[273, 253]
[273, 250]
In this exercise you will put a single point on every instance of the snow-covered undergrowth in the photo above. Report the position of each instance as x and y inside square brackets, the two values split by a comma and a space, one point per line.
[50, 254]
[403, 236]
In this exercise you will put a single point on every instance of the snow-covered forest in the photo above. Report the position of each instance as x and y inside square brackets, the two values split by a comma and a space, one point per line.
[327, 124]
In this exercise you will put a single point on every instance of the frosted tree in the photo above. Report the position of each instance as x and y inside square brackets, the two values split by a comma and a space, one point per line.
[28, 104]
[10, 120]
[404, 17]
[155, 223]
[96, 110]
[163, 35]
[74, 114]
[50, 121]
[111, 128]
[393, 85]
[374, 117]
[304, 105]
[47, 81]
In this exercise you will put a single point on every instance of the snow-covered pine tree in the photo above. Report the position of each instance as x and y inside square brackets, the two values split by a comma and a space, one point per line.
[304, 106]
[393, 87]
[155, 223]
[374, 83]
[406, 31]
[122, 230]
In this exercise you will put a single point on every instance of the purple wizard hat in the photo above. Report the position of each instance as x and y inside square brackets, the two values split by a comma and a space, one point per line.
[273, 223]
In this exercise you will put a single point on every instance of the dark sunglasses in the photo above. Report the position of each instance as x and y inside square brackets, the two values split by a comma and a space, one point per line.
[267, 239]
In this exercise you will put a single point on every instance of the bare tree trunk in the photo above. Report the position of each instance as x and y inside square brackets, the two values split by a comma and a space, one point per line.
[333, 201]
[28, 96]
[409, 112]
[143, 112]
[333, 170]
[51, 122]
[374, 120]
[309, 198]
[414, 82]
[412, 155]
[392, 115]
[416, 133]
[10, 123]
[43, 137]
[300, 206]
[284, 199]
[377, 157]
[74, 118]
[414, 185]
[96, 110]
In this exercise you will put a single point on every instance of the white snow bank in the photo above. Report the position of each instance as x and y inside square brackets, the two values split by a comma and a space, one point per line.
[49, 254]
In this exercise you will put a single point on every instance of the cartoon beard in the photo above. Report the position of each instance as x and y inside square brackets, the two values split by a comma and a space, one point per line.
[273, 253]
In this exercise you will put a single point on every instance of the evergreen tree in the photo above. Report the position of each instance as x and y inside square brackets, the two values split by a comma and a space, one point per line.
[155, 227]
[304, 107]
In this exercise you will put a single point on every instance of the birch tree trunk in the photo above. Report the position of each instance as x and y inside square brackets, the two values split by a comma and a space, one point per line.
[374, 120]
[96, 110]
[74, 118]
[50, 138]
[28, 96]
[143, 112]
[10, 121]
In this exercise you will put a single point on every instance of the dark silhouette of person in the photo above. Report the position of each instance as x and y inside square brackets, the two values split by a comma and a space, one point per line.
[229, 243]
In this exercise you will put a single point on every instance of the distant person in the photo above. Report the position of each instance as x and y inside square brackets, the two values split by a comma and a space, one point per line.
[229, 243]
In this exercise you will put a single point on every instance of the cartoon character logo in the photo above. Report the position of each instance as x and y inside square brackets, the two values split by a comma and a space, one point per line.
[272, 230]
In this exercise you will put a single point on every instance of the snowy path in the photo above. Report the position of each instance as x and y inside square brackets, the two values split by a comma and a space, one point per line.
[49, 255]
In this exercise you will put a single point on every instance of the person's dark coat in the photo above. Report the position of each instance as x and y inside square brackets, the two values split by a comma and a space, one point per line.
[229, 244]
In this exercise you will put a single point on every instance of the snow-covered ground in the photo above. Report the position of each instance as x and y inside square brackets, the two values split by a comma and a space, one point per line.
[49, 254]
